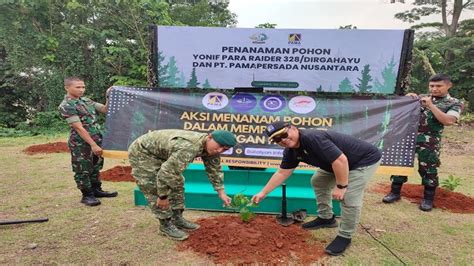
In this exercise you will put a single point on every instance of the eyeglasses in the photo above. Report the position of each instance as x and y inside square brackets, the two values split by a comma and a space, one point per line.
[280, 137]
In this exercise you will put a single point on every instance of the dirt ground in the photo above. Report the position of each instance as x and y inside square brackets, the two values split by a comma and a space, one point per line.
[117, 174]
[227, 239]
[52, 147]
[444, 199]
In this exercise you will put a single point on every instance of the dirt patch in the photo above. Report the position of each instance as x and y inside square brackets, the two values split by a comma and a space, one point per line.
[53, 147]
[455, 141]
[226, 239]
[117, 174]
[444, 199]
[456, 147]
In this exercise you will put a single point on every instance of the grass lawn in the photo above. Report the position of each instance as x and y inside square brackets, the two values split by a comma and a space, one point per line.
[117, 232]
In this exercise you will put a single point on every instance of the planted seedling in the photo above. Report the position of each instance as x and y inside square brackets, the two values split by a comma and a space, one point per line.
[451, 183]
[241, 203]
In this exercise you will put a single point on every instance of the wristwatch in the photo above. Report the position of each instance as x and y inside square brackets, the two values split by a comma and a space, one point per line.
[341, 186]
[163, 197]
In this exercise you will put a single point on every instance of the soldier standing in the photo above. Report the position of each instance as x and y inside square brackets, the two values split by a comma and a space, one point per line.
[438, 109]
[158, 160]
[85, 140]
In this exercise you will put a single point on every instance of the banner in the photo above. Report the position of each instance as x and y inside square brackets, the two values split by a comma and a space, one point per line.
[388, 122]
[363, 61]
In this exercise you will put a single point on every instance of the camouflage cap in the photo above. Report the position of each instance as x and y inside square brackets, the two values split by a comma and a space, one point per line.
[224, 138]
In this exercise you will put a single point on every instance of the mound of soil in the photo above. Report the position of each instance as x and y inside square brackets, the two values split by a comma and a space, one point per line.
[53, 147]
[117, 174]
[227, 239]
[444, 199]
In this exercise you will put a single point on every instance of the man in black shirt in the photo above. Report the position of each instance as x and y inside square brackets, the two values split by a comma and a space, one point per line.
[346, 165]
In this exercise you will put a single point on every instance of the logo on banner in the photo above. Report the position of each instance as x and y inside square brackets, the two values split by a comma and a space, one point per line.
[294, 38]
[258, 38]
[215, 101]
[243, 102]
[302, 104]
[272, 103]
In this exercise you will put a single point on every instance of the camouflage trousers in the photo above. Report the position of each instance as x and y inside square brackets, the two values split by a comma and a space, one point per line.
[145, 169]
[428, 152]
[85, 164]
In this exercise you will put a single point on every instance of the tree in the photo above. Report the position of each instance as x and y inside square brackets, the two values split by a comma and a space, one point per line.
[193, 82]
[429, 7]
[162, 71]
[266, 26]
[346, 86]
[172, 79]
[206, 84]
[182, 81]
[202, 13]
[389, 75]
[348, 27]
[12, 111]
[104, 42]
[363, 85]
[447, 50]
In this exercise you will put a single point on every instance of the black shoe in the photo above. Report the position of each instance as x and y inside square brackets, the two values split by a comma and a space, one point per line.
[320, 223]
[338, 246]
[391, 197]
[426, 205]
[99, 193]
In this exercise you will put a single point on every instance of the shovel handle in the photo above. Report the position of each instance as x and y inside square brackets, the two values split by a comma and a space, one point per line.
[40, 220]
[283, 200]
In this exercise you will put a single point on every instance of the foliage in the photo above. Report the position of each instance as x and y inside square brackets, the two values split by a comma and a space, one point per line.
[467, 118]
[11, 132]
[447, 47]
[389, 79]
[104, 42]
[364, 80]
[241, 203]
[451, 183]
[44, 123]
[266, 26]
[345, 86]
[193, 81]
[348, 27]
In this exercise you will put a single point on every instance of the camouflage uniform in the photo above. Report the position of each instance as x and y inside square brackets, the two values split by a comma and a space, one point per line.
[158, 160]
[85, 164]
[428, 141]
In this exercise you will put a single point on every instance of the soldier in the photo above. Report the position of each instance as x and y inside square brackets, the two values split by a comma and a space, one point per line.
[158, 160]
[85, 140]
[438, 109]
[346, 166]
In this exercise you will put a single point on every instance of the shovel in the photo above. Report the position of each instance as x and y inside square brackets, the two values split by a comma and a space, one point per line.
[283, 218]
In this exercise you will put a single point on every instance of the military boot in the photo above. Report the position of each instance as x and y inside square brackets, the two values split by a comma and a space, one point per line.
[99, 193]
[171, 231]
[88, 198]
[182, 223]
[394, 194]
[427, 201]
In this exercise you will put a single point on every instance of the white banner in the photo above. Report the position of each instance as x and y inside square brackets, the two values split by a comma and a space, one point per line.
[286, 59]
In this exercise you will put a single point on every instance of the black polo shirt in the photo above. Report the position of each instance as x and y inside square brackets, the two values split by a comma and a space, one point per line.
[321, 148]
